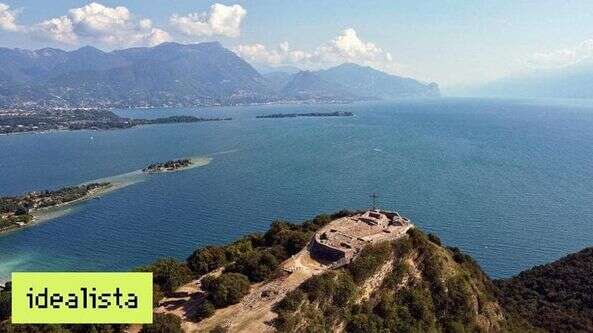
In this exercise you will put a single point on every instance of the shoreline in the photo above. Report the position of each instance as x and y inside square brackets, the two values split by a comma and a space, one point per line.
[115, 183]
[45, 214]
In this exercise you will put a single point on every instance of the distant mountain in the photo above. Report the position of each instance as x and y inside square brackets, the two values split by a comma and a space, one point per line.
[168, 74]
[351, 81]
[369, 82]
[277, 80]
[311, 86]
[174, 74]
[569, 82]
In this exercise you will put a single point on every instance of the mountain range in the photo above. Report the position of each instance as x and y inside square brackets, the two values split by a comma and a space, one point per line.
[173, 74]
[574, 81]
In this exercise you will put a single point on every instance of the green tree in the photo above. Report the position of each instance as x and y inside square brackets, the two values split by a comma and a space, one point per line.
[257, 266]
[5, 297]
[364, 323]
[168, 274]
[163, 323]
[205, 309]
[227, 289]
[207, 259]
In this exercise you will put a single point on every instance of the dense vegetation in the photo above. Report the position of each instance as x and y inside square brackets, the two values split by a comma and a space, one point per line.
[557, 297]
[414, 284]
[163, 323]
[258, 256]
[168, 274]
[428, 288]
[15, 211]
[227, 289]
[251, 259]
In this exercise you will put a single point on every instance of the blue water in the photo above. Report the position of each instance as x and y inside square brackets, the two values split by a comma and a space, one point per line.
[510, 182]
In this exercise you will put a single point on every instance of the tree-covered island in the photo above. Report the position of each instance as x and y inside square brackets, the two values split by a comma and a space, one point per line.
[18, 211]
[311, 114]
[172, 165]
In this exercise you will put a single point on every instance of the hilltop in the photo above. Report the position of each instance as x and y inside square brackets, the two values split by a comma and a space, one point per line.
[367, 271]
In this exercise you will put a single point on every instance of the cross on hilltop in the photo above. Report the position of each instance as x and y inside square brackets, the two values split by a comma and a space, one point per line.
[374, 196]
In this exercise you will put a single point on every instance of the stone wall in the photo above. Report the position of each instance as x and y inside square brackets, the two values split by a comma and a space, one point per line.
[322, 252]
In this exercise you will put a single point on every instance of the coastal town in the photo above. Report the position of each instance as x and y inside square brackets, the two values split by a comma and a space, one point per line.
[37, 119]
[18, 211]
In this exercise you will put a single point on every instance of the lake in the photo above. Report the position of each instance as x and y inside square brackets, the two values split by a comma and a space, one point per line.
[508, 181]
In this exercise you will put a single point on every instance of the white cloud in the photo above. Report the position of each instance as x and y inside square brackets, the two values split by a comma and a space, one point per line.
[562, 57]
[259, 53]
[8, 18]
[220, 20]
[59, 29]
[92, 23]
[346, 47]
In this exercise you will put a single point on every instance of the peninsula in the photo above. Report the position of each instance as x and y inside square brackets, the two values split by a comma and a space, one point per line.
[354, 272]
[168, 166]
[39, 120]
[312, 114]
[19, 211]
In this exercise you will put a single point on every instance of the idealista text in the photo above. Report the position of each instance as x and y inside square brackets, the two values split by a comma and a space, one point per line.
[85, 298]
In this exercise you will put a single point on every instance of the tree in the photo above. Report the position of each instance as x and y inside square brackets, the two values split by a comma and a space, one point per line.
[207, 259]
[257, 266]
[364, 323]
[4, 305]
[168, 274]
[163, 323]
[205, 309]
[227, 289]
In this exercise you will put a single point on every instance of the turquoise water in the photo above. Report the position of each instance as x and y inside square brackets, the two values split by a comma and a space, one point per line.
[510, 182]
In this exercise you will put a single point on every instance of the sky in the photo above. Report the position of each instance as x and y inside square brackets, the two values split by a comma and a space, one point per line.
[453, 43]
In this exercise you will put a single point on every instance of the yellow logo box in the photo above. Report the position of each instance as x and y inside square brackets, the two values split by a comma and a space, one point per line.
[81, 298]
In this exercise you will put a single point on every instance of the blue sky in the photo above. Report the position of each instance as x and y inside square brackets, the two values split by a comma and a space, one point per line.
[450, 42]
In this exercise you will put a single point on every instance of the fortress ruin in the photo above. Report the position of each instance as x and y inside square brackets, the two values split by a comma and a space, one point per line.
[341, 240]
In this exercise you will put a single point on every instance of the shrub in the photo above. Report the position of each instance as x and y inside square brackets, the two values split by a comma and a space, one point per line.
[320, 287]
[5, 309]
[364, 323]
[219, 329]
[157, 295]
[291, 301]
[207, 259]
[435, 239]
[205, 309]
[168, 274]
[163, 323]
[227, 289]
[369, 260]
[257, 266]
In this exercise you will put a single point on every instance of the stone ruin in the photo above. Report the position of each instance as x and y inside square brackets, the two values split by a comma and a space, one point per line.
[342, 240]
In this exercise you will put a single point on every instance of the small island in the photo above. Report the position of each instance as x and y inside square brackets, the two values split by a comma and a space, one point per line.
[169, 166]
[19, 211]
[312, 114]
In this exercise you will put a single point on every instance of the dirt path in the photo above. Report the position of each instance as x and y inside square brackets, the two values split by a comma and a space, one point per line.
[255, 310]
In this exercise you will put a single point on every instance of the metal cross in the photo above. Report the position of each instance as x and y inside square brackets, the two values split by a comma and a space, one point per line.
[374, 196]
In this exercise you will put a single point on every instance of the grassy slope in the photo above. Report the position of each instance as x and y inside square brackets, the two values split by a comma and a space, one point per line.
[427, 288]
